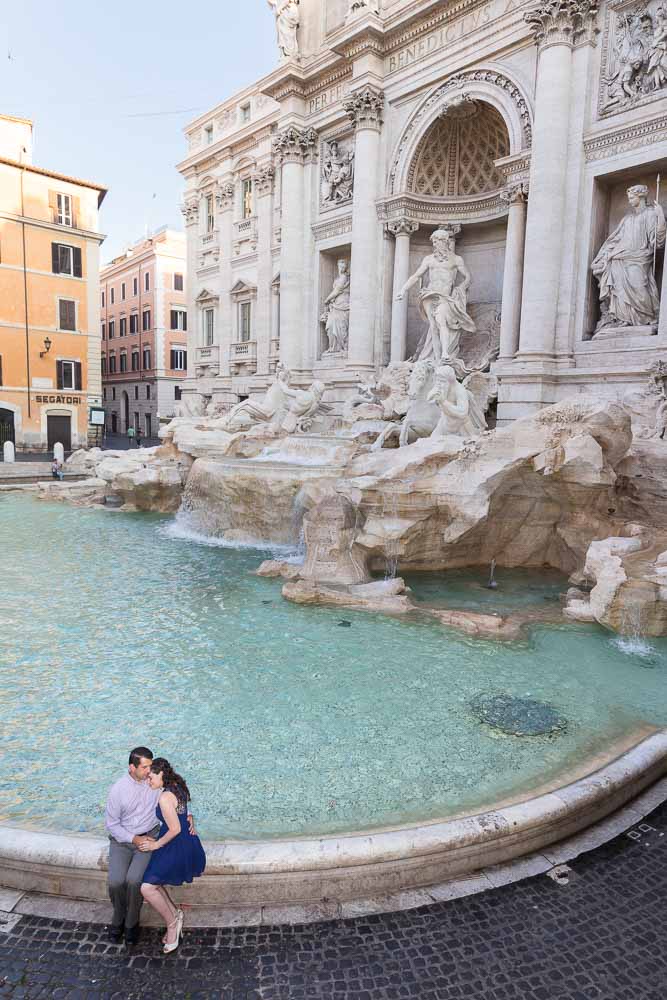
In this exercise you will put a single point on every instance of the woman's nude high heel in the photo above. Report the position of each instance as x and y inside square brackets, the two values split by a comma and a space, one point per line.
[178, 922]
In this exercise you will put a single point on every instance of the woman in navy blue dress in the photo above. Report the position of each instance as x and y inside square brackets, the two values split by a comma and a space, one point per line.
[178, 854]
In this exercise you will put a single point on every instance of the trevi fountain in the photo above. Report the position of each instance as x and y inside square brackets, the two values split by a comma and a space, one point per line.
[394, 594]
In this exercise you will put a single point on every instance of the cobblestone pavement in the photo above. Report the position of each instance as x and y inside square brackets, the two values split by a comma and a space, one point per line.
[600, 937]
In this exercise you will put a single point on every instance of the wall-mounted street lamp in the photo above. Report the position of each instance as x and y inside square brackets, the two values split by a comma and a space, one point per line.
[47, 347]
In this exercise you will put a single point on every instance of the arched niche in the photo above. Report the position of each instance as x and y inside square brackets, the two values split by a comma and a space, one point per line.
[483, 86]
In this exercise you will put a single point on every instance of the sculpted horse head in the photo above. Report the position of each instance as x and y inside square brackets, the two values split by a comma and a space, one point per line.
[421, 380]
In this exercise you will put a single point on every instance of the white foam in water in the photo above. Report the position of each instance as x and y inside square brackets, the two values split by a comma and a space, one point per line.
[633, 645]
[179, 530]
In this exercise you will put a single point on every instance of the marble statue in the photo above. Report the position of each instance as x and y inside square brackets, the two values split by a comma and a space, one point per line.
[443, 302]
[287, 23]
[336, 315]
[460, 414]
[191, 405]
[625, 265]
[272, 409]
[303, 407]
[422, 413]
[363, 6]
[337, 174]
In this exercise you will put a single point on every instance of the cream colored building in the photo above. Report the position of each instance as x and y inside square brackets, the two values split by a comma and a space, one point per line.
[49, 298]
[517, 126]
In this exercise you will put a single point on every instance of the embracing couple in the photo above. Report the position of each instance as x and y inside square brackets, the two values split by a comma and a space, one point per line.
[153, 844]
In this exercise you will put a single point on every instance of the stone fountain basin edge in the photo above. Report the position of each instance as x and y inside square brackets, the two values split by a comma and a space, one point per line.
[356, 865]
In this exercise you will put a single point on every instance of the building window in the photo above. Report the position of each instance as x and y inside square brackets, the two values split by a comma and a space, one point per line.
[210, 215]
[177, 393]
[123, 362]
[104, 371]
[178, 282]
[135, 286]
[66, 260]
[104, 331]
[136, 392]
[245, 316]
[112, 296]
[134, 323]
[135, 361]
[148, 392]
[112, 329]
[147, 281]
[179, 359]
[123, 326]
[68, 375]
[146, 320]
[245, 112]
[65, 210]
[147, 359]
[66, 314]
[113, 392]
[208, 132]
[136, 420]
[247, 199]
[209, 327]
[112, 367]
[122, 291]
[103, 300]
[179, 319]
[147, 425]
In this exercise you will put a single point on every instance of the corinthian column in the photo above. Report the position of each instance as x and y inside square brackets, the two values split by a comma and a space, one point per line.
[403, 230]
[225, 196]
[292, 148]
[263, 189]
[510, 318]
[557, 26]
[365, 108]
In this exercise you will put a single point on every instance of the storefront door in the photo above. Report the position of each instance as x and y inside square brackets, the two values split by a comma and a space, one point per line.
[59, 429]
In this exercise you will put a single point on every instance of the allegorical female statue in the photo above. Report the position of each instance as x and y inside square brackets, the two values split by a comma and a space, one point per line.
[287, 23]
[625, 265]
[336, 315]
[443, 302]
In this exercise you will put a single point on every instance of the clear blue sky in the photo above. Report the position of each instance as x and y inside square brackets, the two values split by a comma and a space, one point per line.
[110, 86]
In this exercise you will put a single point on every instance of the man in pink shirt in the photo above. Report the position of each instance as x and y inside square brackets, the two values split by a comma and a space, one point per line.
[130, 820]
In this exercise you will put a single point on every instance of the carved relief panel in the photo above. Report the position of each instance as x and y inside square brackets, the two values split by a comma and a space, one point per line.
[336, 172]
[634, 56]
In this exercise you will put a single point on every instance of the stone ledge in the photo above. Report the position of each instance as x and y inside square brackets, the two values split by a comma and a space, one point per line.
[316, 872]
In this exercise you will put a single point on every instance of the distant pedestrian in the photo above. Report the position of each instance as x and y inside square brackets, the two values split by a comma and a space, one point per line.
[131, 433]
[138, 437]
[54, 468]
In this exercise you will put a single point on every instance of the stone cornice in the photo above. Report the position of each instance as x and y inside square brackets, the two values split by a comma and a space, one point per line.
[341, 226]
[562, 22]
[441, 211]
[623, 140]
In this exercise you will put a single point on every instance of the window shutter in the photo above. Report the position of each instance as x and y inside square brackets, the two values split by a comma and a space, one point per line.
[185, 361]
[172, 359]
[53, 205]
[174, 319]
[185, 321]
[55, 258]
[77, 376]
[0, 369]
[76, 207]
[77, 262]
[59, 374]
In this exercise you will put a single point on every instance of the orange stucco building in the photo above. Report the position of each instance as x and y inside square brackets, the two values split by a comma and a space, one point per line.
[50, 372]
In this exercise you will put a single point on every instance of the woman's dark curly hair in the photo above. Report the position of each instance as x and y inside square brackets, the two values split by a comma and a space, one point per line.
[172, 782]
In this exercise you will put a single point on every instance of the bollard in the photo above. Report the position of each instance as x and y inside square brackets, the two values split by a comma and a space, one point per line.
[9, 452]
[59, 452]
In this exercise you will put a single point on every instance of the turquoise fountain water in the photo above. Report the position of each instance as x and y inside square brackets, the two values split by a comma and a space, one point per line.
[120, 629]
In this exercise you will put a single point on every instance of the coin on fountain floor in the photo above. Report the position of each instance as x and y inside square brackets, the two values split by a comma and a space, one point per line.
[345, 624]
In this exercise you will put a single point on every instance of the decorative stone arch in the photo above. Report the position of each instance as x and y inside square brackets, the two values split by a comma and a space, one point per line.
[18, 416]
[487, 85]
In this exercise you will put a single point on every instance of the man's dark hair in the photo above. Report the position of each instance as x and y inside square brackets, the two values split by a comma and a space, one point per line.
[138, 753]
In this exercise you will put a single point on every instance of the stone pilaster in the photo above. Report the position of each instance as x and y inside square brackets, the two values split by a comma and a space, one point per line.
[263, 184]
[225, 196]
[365, 108]
[402, 230]
[516, 197]
[557, 27]
[292, 148]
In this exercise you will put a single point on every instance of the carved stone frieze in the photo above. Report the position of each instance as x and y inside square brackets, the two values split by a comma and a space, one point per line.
[634, 56]
[515, 193]
[190, 211]
[224, 196]
[264, 180]
[626, 139]
[562, 22]
[295, 145]
[333, 228]
[402, 227]
[365, 107]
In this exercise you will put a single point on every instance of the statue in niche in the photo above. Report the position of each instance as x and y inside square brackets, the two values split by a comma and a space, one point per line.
[287, 23]
[443, 302]
[337, 174]
[625, 265]
[272, 409]
[637, 64]
[336, 315]
[461, 415]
